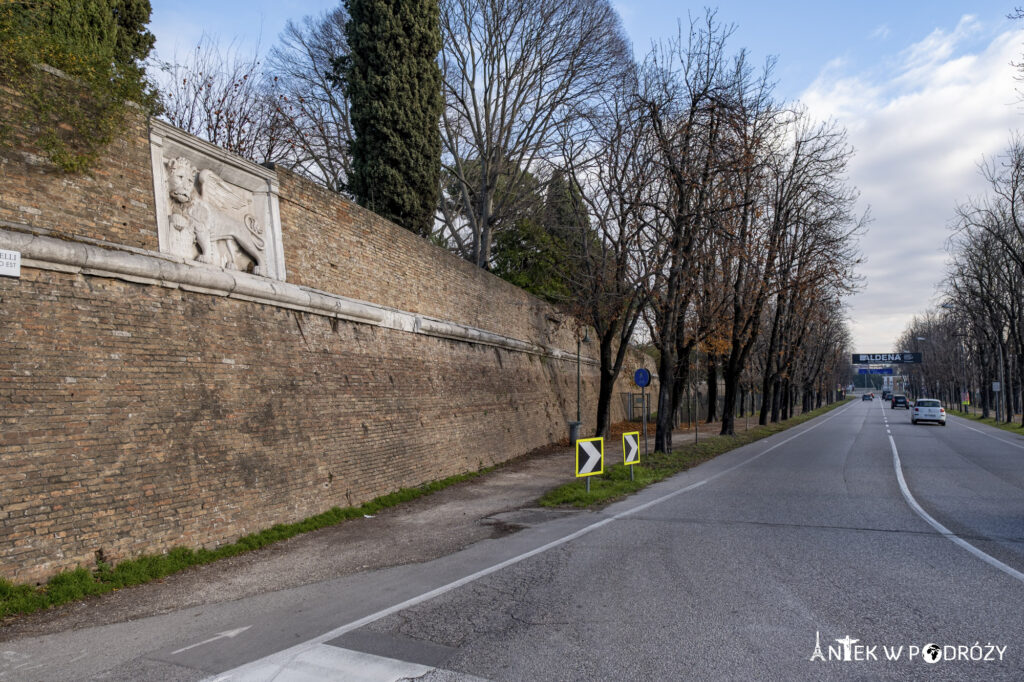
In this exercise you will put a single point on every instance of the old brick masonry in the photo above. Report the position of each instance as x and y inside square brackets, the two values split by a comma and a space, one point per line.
[138, 416]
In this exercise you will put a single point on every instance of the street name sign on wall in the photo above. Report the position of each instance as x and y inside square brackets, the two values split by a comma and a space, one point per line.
[887, 358]
[589, 457]
[631, 448]
[10, 263]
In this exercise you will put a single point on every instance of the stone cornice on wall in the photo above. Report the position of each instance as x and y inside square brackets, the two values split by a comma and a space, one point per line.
[141, 267]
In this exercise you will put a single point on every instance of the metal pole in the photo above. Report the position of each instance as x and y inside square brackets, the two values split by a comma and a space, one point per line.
[643, 416]
[1002, 387]
[578, 390]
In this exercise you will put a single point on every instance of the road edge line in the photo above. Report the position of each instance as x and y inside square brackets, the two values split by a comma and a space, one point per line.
[281, 658]
[956, 539]
[989, 435]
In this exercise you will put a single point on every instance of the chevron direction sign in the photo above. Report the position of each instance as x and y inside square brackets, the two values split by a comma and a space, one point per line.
[589, 457]
[631, 448]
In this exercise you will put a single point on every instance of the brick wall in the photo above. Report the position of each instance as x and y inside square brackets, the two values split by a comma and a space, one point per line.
[335, 245]
[113, 202]
[135, 417]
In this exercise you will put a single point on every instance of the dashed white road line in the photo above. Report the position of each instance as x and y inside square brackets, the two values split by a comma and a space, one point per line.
[990, 560]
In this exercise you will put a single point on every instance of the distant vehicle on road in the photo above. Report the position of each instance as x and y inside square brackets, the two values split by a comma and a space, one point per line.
[868, 396]
[899, 401]
[886, 395]
[928, 410]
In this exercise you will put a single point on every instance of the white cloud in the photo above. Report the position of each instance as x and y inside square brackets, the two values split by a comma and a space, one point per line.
[880, 33]
[920, 126]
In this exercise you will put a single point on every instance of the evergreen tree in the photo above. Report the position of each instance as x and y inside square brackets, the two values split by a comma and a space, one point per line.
[543, 255]
[394, 86]
[100, 44]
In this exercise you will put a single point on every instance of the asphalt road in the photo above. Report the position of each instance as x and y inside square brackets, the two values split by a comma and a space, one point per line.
[798, 557]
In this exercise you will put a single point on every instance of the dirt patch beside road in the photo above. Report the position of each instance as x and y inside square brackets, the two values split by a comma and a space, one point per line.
[424, 529]
[429, 527]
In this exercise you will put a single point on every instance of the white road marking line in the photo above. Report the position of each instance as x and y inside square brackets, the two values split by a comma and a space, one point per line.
[1016, 445]
[276, 662]
[230, 634]
[326, 662]
[990, 560]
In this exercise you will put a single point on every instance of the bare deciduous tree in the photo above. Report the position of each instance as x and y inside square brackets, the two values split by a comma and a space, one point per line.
[611, 264]
[313, 100]
[223, 96]
[686, 94]
[513, 74]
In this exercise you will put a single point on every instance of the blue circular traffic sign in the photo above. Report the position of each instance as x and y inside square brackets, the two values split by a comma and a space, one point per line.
[642, 377]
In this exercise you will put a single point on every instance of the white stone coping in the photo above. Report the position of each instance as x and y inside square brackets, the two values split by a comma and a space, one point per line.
[146, 267]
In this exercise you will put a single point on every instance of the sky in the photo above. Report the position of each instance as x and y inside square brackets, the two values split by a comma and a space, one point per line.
[926, 91]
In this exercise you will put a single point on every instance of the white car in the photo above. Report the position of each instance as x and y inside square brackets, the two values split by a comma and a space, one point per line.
[927, 410]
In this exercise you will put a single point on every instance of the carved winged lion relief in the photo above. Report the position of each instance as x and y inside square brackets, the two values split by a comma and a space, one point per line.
[211, 220]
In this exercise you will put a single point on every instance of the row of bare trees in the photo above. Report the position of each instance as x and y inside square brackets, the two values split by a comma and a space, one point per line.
[288, 109]
[975, 339]
[722, 220]
[677, 197]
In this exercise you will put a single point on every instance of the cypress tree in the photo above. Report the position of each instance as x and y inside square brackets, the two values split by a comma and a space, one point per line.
[394, 87]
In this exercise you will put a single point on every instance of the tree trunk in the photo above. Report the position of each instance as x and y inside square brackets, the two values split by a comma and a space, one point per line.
[712, 376]
[666, 378]
[732, 370]
[784, 398]
[776, 389]
[681, 380]
[729, 407]
[605, 390]
[766, 391]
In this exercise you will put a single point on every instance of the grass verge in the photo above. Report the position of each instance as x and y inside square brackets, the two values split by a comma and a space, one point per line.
[1012, 428]
[615, 483]
[73, 585]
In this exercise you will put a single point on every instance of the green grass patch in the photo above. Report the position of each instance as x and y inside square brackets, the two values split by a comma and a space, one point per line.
[1012, 427]
[614, 483]
[79, 583]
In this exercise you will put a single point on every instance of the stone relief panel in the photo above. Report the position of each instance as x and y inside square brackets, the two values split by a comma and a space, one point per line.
[213, 207]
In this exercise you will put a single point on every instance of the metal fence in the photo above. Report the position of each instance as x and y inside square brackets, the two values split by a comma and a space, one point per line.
[694, 403]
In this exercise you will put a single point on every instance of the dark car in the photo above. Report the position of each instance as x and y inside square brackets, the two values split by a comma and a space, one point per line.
[886, 395]
[868, 396]
[899, 401]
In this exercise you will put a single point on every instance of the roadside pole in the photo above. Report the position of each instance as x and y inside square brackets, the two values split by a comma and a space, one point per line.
[642, 378]
[646, 415]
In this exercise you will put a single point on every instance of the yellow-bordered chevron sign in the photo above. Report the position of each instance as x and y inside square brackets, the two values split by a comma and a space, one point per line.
[589, 457]
[631, 448]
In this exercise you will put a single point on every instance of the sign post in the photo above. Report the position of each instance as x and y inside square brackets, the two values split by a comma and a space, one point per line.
[642, 378]
[589, 458]
[631, 451]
